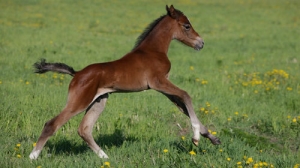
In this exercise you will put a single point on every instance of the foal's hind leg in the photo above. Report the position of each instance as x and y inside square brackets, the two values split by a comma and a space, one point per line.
[78, 100]
[50, 128]
[87, 123]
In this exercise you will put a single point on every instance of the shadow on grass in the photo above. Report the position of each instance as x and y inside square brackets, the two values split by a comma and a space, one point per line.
[106, 141]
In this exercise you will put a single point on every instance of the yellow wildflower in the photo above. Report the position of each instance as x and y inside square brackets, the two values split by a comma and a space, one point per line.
[294, 120]
[166, 151]
[191, 68]
[183, 138]
[249, 160]
[192, 153]
[239, 163]
[207, 104]
[204, 82]
[34, 144]
[229, 119]
[228, 159]
[289, 88]
[18, 145]
[107, 164]
[18, 156]
[54, 75]
[236, 113]
[214, 133]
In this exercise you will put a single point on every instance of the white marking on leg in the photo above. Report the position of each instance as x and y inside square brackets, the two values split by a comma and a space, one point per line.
[34, 154]
[196, 130]
[101, 154]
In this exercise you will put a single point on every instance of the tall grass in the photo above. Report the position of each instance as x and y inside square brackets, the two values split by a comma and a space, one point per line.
[244, 84]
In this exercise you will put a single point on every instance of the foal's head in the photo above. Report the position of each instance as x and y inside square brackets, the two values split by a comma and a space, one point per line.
[184, 31]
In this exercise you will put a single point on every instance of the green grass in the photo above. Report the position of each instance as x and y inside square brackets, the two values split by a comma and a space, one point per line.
[244, 84]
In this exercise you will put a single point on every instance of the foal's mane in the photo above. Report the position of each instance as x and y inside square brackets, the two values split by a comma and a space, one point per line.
[147, 31]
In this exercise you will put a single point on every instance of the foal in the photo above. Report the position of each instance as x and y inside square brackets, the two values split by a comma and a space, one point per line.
[145, 67]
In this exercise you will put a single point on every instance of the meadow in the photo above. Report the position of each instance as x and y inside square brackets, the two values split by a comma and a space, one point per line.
[244, 83]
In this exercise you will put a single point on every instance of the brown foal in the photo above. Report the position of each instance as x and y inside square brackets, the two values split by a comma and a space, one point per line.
[145, 67]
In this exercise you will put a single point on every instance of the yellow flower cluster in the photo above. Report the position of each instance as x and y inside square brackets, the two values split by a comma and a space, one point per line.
[17, 149]
[203, 82]
[237, 117]
[207, 109]
[270, 80]
[58, 78]
[294, 119]
[249, 161]
[278, 73]
[21, 81]
[55, 76]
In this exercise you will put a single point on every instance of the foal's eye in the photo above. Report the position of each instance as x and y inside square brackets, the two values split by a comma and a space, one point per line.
[187, 26]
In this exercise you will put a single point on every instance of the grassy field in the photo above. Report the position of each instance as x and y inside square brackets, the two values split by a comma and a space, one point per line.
[245, 84]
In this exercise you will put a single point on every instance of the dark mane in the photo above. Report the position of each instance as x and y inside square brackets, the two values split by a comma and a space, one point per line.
[147, 30]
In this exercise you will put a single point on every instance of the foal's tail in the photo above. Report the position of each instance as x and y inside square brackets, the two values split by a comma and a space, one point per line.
[43, 67]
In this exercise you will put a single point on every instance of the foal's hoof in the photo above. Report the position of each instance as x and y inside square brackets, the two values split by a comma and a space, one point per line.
[215, 141]
[195, 142]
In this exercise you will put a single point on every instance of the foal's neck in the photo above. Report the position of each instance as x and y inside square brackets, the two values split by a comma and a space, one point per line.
[160, 37]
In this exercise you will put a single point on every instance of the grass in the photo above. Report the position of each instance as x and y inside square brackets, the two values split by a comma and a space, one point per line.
[244, 84]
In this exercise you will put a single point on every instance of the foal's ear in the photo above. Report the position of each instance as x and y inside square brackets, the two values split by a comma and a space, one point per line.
[172, 12]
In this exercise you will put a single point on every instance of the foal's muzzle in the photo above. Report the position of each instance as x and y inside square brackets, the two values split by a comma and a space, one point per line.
[199, 44]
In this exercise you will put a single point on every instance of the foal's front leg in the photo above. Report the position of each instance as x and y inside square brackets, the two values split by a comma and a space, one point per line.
[89, 120]
[184, 103]
[203, 130]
